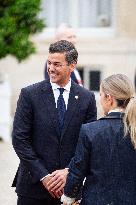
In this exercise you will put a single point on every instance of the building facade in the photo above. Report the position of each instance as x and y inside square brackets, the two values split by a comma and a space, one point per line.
[106, 32]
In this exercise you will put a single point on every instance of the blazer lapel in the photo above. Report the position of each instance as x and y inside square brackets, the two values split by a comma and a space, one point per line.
[72, 106]
[49, 101]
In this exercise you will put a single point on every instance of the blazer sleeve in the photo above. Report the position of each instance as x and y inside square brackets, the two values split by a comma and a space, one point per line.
[91, 114]
[22, 137]
[79, 166]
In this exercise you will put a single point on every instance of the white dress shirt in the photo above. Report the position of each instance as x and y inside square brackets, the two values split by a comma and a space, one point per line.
[66, 92]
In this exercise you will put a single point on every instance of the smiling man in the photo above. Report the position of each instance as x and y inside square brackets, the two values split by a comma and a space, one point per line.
[65, 32]
[46, 127]
[61, 64]
[58, 69]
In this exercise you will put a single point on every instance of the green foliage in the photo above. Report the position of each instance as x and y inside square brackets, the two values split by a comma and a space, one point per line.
[18, 21]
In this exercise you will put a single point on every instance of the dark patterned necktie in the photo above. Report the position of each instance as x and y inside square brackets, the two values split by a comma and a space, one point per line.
[61, 107]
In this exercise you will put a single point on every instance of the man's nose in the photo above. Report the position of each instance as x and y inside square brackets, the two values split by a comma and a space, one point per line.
[51, 67]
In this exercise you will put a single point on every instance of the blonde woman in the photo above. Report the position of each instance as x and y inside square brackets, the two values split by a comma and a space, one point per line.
[106, 150]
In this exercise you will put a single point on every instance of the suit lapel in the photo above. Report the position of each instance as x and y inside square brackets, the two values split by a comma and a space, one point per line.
[72, 106]
[49, 101]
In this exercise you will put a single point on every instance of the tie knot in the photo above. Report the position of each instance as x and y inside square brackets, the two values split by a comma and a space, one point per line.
[61, 90]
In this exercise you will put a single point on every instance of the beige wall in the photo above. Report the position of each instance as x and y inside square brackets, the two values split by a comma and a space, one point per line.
[125, 18]
[23, 74]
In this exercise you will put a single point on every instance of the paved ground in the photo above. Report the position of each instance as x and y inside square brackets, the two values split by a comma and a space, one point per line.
[8, 166]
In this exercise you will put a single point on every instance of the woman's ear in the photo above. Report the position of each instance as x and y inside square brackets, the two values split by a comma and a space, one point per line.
[109, 99]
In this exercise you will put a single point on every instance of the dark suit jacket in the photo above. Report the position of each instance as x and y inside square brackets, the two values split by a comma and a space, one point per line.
[108, 160]
[36, 136]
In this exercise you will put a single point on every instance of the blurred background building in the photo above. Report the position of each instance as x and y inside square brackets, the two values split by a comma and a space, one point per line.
[106, 32]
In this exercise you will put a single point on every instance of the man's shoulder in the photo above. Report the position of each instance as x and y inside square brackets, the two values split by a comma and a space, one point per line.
[36, 86]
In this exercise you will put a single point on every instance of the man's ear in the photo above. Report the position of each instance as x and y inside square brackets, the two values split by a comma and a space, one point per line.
[72, 66]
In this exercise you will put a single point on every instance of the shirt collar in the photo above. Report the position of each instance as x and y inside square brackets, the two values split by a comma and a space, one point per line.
[67, 87]
[116, 110]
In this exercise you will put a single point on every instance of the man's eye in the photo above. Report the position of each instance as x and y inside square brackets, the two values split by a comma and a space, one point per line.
[56, 64]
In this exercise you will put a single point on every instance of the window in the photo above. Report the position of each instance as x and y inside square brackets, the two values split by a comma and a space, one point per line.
[77, 13]
[55, 11]
[94, 13]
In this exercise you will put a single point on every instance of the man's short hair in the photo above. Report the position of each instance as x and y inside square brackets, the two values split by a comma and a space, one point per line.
[63, 46]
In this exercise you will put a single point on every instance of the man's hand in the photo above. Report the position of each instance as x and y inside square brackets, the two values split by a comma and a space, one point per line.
[58, 180]
[75, 203]
[45, 184]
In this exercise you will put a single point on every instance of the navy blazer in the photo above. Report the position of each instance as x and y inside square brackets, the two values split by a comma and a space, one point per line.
[107, 159]
[36, 136]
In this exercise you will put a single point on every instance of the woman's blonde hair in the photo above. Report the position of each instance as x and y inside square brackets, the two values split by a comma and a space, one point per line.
[120, 87]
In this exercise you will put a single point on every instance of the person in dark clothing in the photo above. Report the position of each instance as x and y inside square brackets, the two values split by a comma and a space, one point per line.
[46, 128]
[106, 150]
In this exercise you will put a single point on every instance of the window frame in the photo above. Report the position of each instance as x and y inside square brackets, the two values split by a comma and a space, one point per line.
[83, 32]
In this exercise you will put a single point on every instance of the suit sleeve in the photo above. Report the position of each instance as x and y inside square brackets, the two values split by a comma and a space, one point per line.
[91, 114]
[22, 137]
[78, 167]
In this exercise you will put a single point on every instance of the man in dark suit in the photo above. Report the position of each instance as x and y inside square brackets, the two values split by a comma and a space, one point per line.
[46, 128]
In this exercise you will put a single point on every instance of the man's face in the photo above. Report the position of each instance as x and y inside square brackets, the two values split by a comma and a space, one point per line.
[58, 69]
[68, 35]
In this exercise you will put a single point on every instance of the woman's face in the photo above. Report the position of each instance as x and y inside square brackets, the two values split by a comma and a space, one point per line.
[105, 101]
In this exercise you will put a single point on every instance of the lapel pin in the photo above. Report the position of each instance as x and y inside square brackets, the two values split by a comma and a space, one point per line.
[76, 97]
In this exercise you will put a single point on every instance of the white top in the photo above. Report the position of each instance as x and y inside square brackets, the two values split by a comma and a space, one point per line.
[67, 200]
[116, 110]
